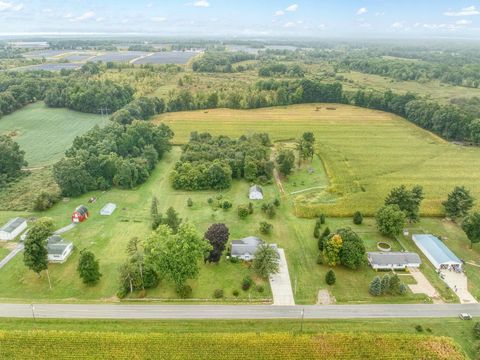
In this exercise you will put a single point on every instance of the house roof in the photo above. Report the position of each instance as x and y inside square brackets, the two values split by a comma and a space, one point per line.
[12, 224]
[56, 245]
[435, 249]
[397, 258]
[246, 245]
[82, 210]
[256, 188]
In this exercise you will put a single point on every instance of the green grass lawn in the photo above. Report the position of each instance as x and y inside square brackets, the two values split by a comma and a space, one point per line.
[365, 153]
[45, 133]
[460, 331]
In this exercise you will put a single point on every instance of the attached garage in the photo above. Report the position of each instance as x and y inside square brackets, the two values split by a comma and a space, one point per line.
[437, 252]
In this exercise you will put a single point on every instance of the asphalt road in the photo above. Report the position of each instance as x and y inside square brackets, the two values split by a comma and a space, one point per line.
[122, 311]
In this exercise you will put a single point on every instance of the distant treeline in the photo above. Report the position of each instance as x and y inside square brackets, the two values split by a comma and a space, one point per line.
[275, 69]
[120, 155]
[467, 75]
[220, 61]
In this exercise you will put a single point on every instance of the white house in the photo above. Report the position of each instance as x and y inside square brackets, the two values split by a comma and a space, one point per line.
[393, 260]
[437, 252]
[12, 229]
[108, 209]
[58, 249]
[246, 248]
[255, 193]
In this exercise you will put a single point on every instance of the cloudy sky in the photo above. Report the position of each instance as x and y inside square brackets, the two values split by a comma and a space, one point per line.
[247, 18]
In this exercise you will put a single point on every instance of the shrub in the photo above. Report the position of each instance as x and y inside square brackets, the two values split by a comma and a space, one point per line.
[476, 330]
[189, 202]
[235, 293]
[322, 219]
[242, 211]
[357, 218]
[226, 205]
[320, 259]
[250, 208]
[121, 293]
[260, 288]
[376, 286]
[247, 283]
[316, 231]
[234, 260]
[210, 201]
[219, 197]
[184, 291]
[218, 294]
[330, 277]
[45, 201]
[419, 328]
[276, 202]
[265, 228]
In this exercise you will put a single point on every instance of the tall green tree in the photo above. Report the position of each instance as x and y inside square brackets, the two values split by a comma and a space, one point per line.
[267, 261]
[88, 267]
[217, 235]
[35, 255]
[330, 277]
[331, 249]
[471, 226]
[176, 256]
[390, 220]
[11, 160]
[458, 203]
[286, 161]
[407, 200]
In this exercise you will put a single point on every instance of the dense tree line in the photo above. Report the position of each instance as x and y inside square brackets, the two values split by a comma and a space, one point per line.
[120, 155]
[139, 109]
[275, 69]
[220, 61]
[209, 162]
[11, 160]
[464, 75]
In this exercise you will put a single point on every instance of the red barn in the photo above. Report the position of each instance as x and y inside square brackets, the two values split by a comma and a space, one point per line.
[80, 214]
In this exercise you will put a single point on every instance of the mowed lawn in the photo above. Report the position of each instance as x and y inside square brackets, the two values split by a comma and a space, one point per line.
[365, 153]
[45, 133]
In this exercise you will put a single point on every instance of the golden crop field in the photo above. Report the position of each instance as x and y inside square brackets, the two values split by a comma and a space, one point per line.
[96, 345]
[365, 152]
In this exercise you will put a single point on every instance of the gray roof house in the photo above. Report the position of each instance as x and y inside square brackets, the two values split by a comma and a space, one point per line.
[393, 260]
[13, 228]
[246, 248]
[58, 249]
[255, 193]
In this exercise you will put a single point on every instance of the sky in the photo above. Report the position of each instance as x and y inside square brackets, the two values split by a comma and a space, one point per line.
[244, 18]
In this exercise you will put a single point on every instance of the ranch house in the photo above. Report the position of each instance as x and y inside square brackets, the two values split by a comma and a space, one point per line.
[12, 229]
[393, 260]
[246, 248]
[58, 249]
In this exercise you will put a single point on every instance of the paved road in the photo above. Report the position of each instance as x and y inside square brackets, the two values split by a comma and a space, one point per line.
[121, 311]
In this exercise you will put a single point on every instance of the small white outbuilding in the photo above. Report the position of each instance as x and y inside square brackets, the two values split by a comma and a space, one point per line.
[255, 193]
[108, 209]
[12, 229]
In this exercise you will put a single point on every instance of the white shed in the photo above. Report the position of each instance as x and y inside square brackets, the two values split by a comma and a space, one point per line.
[12, 229]
[255, 193]
[108, 209]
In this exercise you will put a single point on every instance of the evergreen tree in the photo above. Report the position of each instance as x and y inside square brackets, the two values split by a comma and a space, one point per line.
[458, 203]
[172, 219]
[385, 284]
[357, 218]
[330, 277]
[376, 286]
[471, 227]
[88, 268]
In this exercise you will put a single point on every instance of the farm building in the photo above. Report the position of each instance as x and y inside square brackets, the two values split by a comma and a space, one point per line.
[12, 229]
[80, 214]
[246, 248]
[437, 252]
[108, 209]
[393, 260]
[58, 249]
[255, 193]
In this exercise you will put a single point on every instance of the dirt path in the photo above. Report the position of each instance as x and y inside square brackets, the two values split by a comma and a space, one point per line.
[278, 181]
[304, 190]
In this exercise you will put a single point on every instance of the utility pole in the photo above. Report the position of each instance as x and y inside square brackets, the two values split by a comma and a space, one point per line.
[301, 323]
[33, 311]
